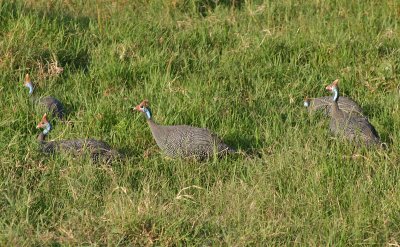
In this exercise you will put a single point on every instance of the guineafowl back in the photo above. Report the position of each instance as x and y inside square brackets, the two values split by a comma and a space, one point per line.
[354, 128]
[53, 105]
[188, 141]
[345, 104]
[95, 148]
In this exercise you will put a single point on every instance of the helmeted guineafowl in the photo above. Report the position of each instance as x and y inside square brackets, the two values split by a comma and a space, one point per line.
[98, 150]
[345, 104]
[182, 140]
[52, 104]
[349, 125]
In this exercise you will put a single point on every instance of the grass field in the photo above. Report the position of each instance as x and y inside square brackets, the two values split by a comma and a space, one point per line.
[240, 68]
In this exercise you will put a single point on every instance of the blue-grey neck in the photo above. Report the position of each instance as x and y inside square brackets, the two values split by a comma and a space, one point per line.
[335, 94]
[147, 112]
[30, 86]
[47, 129]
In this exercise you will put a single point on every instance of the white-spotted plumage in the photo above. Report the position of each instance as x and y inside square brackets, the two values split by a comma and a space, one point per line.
[98, 150]
[183, 140]
[349, 125]
[52, 105]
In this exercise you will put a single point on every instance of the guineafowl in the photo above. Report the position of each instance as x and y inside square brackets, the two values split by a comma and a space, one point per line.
[182, 140]
[52, 104]
[345, 104]
[97, 149]
[349, 125]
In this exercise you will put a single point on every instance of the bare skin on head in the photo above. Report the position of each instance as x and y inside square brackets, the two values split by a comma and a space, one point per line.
[43, 122]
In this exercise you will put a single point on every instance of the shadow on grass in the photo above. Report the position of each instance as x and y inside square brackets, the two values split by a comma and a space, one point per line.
[78, 60]
[206, 6]
[71, 27]
[244, 143]
[74, 57]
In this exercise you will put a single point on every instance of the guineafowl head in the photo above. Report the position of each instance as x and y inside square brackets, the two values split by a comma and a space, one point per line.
[144, 107]
[306, 102]
[28, 83]
[44, 124]
[334, 89]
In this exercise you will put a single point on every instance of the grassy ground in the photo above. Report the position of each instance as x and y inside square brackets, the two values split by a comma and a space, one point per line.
[240, 68]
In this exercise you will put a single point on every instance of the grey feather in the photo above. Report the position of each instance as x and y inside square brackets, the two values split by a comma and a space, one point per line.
[184, 141]
[53, 105]
[345, 104]
[98, 150]
[351, 126]
[188, 141]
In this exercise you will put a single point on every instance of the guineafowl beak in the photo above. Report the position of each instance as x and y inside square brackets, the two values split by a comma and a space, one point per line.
[333, 85]
[141, 106]
[136, 108]
[40, 125]
[43, 122]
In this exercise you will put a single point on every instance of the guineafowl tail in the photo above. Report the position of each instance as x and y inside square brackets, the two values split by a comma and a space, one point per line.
[225, 149]
[109, 156]
[231, 150]
[114, 155]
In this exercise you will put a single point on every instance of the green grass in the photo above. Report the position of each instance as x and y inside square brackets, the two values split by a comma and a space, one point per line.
[241, 70]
